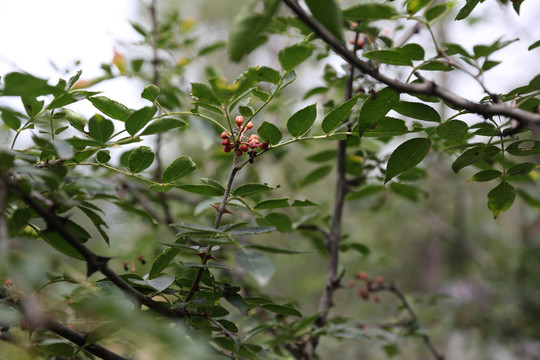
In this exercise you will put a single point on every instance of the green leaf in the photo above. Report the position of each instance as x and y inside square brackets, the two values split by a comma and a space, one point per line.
[140, 159]
[55, 349]
[139, 118]
[162, 125]
[524, 148]
[466, 9]
[11, 120]
[485, 175]
[32, 106]
[303, 203]
[110, 107]
[103, 156]
[315, 175]
[162, 261]
[274, 249]
[98, 222]
[281, 221]
[178, 169]
[388, 126]
[501, 198]
[435, 11]
[469, 157]
[283, 310]
[521, 169]
[407, 191]
[59, 243]
[253, 230]
[301, 121]
[338, 115]
[418, 111]
[251, 189]
[328, 13]
[294, 55]
[270, 133]
[272, 204]
[150, 92]
[76, 120]
[534, 45]
[159, 284]
[100, 128]
[259, 74]
[406, 156]
[247, 27]
[369, 11]
[201, 189]
[411, 51]
[26, 85]
[211, 48]
[391, 57]
[322, 156]
[367, 190]
[375, 109]
[256, 264]
[204, 92]
[237, 301]
[453, 131]
[413, 6]
[102, 332]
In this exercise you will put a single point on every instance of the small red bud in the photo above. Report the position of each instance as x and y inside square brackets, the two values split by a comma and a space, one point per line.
[376, 298]
[244, 148]
[239, 120]
[350, 284]
[125, 265]
[263, 146]
[362, 276]
[23, 325]
[249, 125]
[379, 279]
[141, 259]
[227, 149]
[225, 142]
[224, 135]
[239, 152]
[8, 282]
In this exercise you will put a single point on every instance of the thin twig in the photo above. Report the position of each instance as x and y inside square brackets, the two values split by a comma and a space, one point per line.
[425, 87]
[220, 211]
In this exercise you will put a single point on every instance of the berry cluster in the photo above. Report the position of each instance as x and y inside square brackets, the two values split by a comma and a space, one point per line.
[369, 286]
[246, 144]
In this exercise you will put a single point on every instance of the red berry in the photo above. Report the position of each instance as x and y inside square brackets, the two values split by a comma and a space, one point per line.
[263, 146]
[227, 149]
[225, 142]
[23, 325]
[8, 282]
[224, 135]
[239, 152]
[362, 276]
[239, 120]
[244, 148]
[249, 125]
[379, 279]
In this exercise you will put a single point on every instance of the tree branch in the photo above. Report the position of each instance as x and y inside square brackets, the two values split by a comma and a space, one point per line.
[80, 340]
[220, 211]
[94, 262]
[424, 87]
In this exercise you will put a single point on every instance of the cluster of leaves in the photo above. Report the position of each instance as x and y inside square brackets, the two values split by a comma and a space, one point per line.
[74, 164]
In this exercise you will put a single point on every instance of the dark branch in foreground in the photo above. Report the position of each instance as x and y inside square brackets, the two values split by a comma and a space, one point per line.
[424, 87]
[80, 340]
[94, 262]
